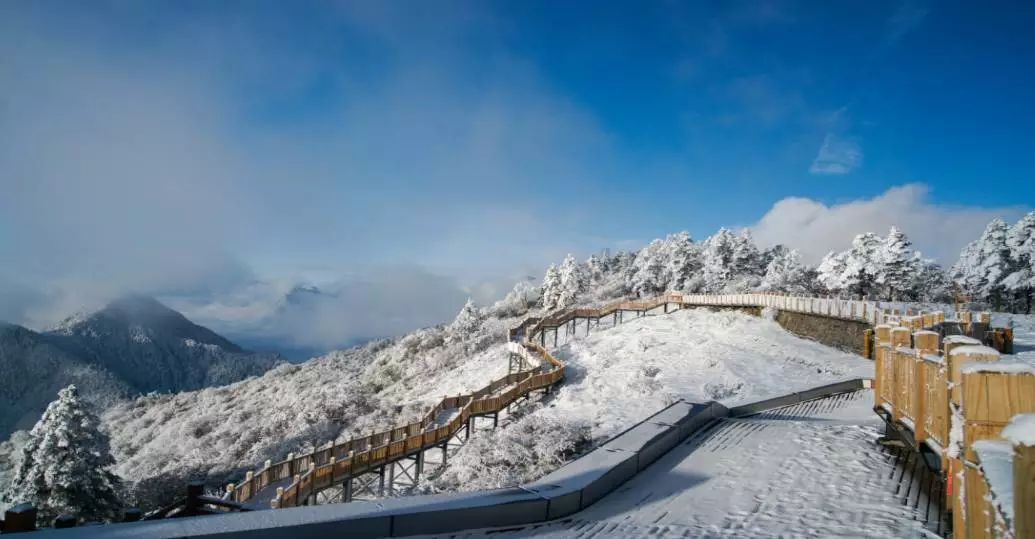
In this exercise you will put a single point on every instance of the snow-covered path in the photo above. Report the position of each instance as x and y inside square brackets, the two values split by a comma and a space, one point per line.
[810, 470]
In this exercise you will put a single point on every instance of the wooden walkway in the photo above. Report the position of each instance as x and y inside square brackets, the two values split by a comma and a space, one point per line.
[372, 465]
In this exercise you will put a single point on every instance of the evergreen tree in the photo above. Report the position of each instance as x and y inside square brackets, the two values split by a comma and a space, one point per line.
[746, 260]
[595, 269]
[572, 282]
[551, 288]
[786, 273]
[1021, 241]
[894, 264]
[717, 261]
[465, 326]
[927, 281]
[862, 265]
[830, 272]
[66, 465]
[684, 262]
[650, 268]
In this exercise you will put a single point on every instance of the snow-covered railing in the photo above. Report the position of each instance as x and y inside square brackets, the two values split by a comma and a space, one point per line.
[952, 401]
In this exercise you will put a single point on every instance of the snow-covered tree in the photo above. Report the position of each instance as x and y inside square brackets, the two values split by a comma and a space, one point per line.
[985, 264]
[894, 264]
[684, 262]
[1021, 241]
[927, 281]
[717, 260]
[465, 326]
[650, 269]
[862, 265]
[522, 297]
[746, 259]
[572, 282]
[65, 465]
[831, 270]
[596, 269]
[551, 288]
[786, 273]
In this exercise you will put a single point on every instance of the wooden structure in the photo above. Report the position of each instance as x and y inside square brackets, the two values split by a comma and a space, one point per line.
[945, 396]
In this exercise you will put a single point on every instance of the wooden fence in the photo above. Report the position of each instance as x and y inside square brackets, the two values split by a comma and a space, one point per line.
[950, 395]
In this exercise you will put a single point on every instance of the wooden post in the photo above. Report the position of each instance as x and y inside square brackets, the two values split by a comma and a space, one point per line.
[868, 344]
[900, 338]
[195, 490]
[1021, 434]
[20, 518]
[882, 336]
[926, 342]
[959, 355]
[65, 521]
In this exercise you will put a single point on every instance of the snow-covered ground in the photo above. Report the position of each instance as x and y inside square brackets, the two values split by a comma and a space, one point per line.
[1023, 335]
[810, 470]
[619, 376]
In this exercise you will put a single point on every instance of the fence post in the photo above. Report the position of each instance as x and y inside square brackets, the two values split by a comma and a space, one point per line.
[195, 490]
[132, 514]
[65, 521]
[20, 518]
[1021, 434]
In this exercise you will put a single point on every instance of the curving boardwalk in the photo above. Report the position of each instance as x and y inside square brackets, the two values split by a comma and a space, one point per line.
[298, 479]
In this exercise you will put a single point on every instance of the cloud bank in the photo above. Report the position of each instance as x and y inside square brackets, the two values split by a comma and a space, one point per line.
[815, 229]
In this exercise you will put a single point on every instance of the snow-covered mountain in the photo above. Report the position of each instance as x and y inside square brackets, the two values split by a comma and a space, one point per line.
[154, 348]
[33, 369]
[135, 345]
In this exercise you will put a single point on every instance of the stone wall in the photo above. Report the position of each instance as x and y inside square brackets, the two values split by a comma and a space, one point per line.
[846, 335]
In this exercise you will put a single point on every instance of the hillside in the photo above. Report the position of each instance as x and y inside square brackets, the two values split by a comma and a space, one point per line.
[135, 345]
[33, 369]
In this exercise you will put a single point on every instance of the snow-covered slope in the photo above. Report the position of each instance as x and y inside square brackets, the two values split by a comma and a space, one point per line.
[217, 433]
[617, 377]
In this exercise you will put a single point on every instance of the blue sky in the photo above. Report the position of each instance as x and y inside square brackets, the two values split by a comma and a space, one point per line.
[194, 149]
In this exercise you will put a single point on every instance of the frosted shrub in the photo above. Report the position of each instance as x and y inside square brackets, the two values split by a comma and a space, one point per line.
[523, 451]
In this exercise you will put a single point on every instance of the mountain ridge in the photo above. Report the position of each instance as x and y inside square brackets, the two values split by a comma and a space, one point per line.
[133, 346]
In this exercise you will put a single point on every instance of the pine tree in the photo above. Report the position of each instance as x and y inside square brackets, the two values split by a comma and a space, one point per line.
[894, 264]
[927, 281]
[717, 261]
[66, 465]
[830, 272]
[595, 269]
[994, 263]
[1021, 241]
[551, 288]
[684, 262]
[650, 268]
[862, 265]
[746, 260]
[572, 282]
[786, 273]
[465, 326]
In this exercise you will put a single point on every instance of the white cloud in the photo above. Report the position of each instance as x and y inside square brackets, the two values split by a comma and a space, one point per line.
[837, 155]
[814, 228]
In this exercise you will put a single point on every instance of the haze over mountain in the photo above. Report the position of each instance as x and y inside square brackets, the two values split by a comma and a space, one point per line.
[135, 345]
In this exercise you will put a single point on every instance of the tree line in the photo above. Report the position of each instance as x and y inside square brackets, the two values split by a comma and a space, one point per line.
[994, 271]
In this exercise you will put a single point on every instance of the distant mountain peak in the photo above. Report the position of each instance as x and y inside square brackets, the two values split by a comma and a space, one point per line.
[142, 318]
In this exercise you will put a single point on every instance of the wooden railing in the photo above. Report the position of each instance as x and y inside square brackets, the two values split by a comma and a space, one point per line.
[950, 397]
